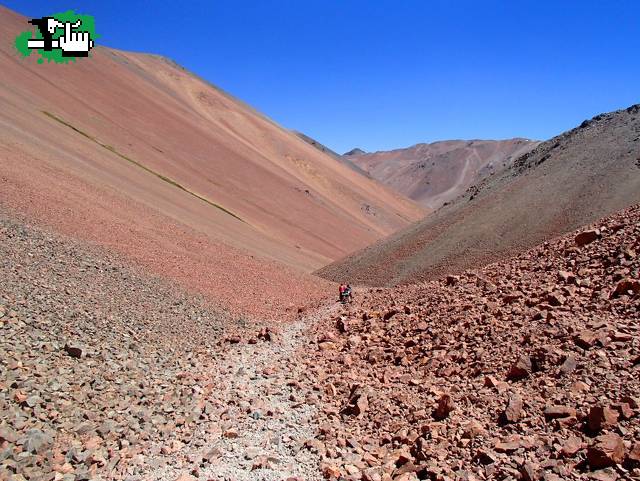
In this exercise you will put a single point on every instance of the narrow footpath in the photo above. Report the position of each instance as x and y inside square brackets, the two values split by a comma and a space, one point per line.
[261, 434]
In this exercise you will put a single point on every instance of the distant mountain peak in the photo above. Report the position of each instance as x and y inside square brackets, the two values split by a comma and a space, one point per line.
[437, 172]
[356, 151]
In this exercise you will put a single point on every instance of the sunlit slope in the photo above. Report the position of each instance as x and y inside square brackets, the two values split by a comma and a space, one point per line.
[145, 130]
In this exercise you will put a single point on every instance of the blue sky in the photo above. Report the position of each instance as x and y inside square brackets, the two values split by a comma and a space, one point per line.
[387, 74]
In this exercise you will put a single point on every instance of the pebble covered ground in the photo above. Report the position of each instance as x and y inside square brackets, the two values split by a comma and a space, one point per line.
[269, 419]
[106, 373]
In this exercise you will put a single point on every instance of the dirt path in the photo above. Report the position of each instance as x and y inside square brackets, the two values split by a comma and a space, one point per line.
[268, 417]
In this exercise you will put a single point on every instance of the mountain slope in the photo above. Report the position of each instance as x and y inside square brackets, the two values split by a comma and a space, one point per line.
[432, 174]
[566, 182]
[529, 365]
[134, 153]
[340, 158]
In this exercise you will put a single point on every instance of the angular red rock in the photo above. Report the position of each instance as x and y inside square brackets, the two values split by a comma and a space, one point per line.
[607, 450]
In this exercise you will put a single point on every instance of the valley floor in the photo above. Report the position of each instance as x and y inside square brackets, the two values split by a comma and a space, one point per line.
[526, 369]
[107, 373]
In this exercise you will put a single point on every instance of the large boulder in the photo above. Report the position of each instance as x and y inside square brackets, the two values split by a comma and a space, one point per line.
[586, 237]
[607, 450]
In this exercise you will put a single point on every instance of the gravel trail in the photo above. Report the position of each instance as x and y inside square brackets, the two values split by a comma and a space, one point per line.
[270, 415]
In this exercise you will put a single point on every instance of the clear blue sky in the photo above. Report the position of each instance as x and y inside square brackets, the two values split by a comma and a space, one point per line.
[387, 74]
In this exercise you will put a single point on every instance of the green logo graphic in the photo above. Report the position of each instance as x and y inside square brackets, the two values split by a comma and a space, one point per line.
[59, 38]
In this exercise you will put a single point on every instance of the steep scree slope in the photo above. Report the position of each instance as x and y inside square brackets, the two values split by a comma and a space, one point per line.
[525, 369]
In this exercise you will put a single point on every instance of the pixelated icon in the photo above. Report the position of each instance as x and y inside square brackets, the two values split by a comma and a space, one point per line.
[72, 44]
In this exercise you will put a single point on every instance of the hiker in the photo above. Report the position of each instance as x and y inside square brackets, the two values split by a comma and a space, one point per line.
[342, 290]
[347, 293]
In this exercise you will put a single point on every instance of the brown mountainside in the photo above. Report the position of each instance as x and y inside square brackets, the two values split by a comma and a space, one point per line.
[566, 182]
[132, 152]
[432, 174]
